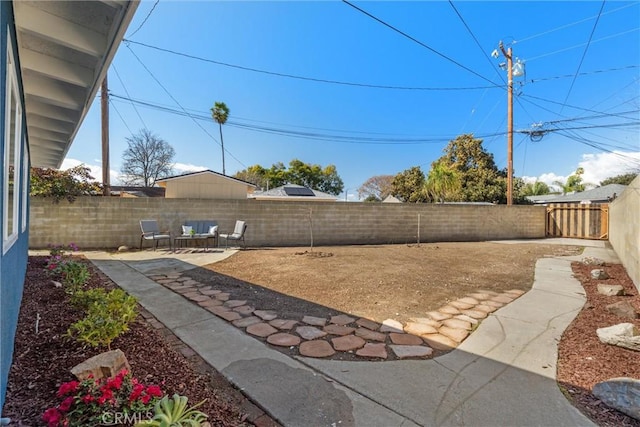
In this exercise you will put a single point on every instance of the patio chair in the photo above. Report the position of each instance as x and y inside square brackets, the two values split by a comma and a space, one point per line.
[238, 234]
[151, 231]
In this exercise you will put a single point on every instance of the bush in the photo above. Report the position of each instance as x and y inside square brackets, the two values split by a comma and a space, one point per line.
[74, 275]
[101, 402]
[109, 315]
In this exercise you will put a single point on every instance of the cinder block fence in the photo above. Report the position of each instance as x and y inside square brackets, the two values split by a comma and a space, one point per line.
[101, 222]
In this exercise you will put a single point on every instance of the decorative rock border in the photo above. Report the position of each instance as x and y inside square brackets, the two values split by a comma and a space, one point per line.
[442, 329]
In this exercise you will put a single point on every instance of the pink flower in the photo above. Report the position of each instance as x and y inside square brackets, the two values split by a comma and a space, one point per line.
[87, 398]
[136, 392]
[154, 391]
[68, 388]
[52, 417]
[66, 404]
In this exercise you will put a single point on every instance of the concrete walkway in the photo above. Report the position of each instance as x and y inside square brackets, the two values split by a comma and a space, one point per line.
[502, 375]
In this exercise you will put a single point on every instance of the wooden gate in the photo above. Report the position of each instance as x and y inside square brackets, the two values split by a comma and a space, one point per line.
[578, 220]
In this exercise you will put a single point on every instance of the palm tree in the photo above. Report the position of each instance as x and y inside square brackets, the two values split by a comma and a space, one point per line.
[442, 180]
[573, 184]
[220, 113]
[537, 188]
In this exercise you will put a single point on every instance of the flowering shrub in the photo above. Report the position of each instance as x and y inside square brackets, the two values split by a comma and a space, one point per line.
[95, 402]
[59, 258]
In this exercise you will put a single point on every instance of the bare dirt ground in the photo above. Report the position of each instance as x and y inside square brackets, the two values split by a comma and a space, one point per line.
[387, 281]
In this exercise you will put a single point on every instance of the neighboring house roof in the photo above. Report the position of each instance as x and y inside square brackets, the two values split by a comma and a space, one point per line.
[293, 192]
[602, 194]
[391, 199]
[204, 172]
[137, 191]
[65, 49]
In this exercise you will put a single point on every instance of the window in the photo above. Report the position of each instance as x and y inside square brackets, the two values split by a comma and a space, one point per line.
[25, 185]
[11, 158]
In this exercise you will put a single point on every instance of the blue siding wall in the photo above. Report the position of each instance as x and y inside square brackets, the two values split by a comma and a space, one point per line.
[13, 263]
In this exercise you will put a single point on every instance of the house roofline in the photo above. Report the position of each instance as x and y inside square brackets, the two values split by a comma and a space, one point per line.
[209, 171]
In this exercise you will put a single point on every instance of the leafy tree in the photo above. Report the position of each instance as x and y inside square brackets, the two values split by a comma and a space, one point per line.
[220, 114]
[376, 188]
[146, 159]
[624, 179]
[408, 185]
[68, 184]
[309, 175]
[537, 188]
[573, 184]
[442, 182]
[480, 179]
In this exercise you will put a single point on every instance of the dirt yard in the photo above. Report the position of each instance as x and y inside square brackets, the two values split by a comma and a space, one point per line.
[378, 282]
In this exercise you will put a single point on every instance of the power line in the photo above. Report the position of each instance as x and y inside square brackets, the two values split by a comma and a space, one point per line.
[585, 73]
[582, 44]
[593, 30]
[180, 105]
[120, 115]
[572, 24]
[127, 92]
[565, 104]
[299, 77]
[492, 63]
[418, 42]
[145, 19]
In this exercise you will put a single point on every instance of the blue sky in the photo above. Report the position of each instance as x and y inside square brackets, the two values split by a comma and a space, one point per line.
[582, 83]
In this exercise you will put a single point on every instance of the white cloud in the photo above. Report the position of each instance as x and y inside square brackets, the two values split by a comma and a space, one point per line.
[597, 167]
[185, 167]
[96, 171]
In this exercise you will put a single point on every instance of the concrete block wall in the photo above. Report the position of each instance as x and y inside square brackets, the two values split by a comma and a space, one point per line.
[98, 222]
[624, 229]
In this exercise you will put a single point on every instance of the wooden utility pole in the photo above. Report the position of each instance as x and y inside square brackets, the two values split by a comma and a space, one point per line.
[507, 54]
[106, 184]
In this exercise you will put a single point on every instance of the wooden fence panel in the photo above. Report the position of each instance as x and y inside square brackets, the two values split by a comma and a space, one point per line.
[582, 221]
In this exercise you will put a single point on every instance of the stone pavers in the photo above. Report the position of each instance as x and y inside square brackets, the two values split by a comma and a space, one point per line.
[442, 329]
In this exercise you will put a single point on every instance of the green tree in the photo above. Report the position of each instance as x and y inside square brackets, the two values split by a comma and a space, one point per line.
[146, 159]
[68, 184]
[624, 179]
[537, 188]
[442, 182]
[408, 185]
[309, 175]
[480, 179]
[573, 184]
[220, 114]
[376, 188]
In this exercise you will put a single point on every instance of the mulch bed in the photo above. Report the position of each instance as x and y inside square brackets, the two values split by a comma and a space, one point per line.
[583, 360]
[43, 358]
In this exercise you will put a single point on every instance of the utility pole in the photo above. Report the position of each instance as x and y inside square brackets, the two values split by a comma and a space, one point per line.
[104, 104]
[507, 54]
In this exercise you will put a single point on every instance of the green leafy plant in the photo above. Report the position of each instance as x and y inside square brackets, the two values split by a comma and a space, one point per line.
[108, 317]
[58, 258]
[68, 184]
[169, 412]
[85, 298]
[97, 402]
[74, 275]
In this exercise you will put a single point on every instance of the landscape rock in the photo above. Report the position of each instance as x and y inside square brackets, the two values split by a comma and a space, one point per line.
[315, 321]
[426, 321]
[348, 343]
[266, 314]
[310, 332]
[449, 309]
[103, 365]
[589, 260]
[457, 335]
[368, 334]
[623, 309]
[405, 339]
[610, 290]
[342, 320]
[373, 350]
[283, 340]
[457, 324]
[283, 323]
[335, 329]
[622, 394]
[391, 325]
[419, 328]
[599, 274]
[404, 351]
[123, 248]
[247, 321]
[440, 342]
[316, 348]
[261, 329]
[623, 335]
[369, 324]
